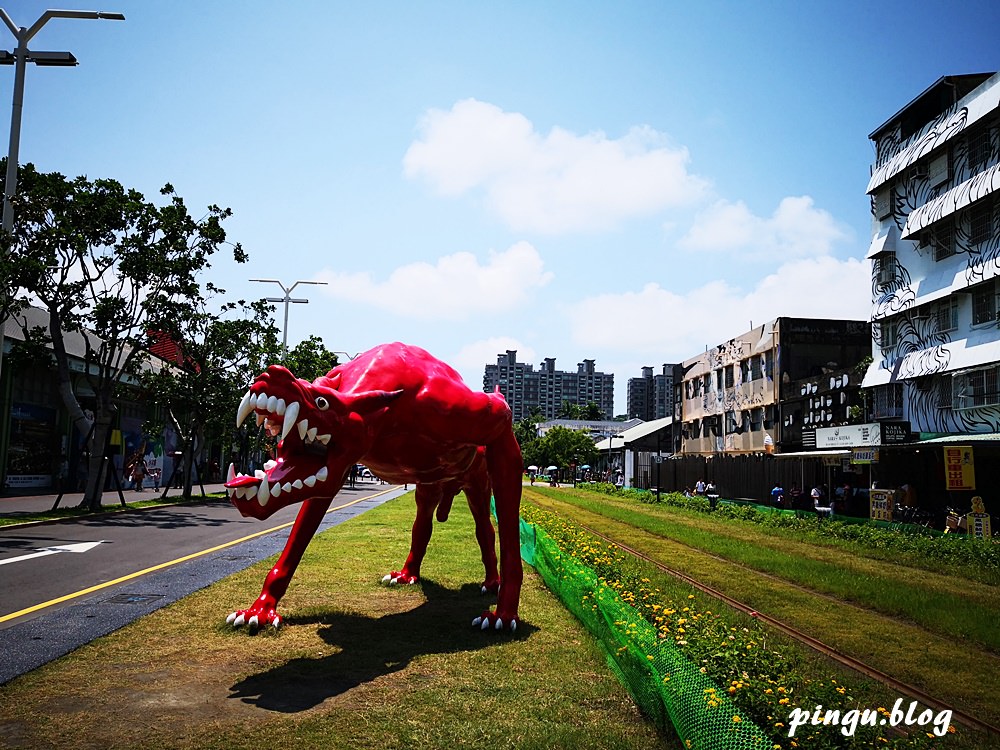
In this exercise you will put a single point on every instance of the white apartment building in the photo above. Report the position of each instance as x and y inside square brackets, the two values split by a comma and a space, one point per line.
[935, 252]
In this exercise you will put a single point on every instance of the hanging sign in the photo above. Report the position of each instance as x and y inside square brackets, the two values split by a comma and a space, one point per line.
[959, 467]
[864, 455]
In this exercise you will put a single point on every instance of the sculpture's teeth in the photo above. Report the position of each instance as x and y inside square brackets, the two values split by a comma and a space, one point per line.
[260, 419]
[276, 489]
[263, 494]
[291, 414]
[303, 428]
[324, 439]
[286, 487]
[281, 406]
[309, 481]
[260, 475]
[231, 474]
[311, 434]
[297, 484]
[322, 474]
[261, 401]
[270, 464]
[272, 403]
[246, 406]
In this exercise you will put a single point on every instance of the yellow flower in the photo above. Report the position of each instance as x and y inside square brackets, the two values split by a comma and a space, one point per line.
[737, 719]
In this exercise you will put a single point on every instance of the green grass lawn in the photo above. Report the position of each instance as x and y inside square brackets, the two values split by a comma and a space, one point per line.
[356, 665]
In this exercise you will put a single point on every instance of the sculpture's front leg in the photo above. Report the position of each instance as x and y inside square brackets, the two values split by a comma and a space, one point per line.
[264, 610]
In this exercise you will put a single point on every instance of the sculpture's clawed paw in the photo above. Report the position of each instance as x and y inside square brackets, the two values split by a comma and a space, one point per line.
[396, 577]
[492, 621]
[490, 587]
[253, 619]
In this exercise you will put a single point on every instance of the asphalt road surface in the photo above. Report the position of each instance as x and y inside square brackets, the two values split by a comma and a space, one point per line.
[64, 584]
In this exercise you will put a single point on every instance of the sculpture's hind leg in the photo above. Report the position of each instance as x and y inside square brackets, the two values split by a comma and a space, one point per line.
[478, 492]
[503, 460]
[428, 498]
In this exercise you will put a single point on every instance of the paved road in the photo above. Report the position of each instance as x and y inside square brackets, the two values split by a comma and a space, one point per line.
[128, 565]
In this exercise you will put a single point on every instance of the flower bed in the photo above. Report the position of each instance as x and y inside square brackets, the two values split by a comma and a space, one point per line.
[763, 681]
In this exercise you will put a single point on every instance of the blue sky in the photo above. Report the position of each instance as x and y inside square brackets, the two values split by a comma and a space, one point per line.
[628, 182]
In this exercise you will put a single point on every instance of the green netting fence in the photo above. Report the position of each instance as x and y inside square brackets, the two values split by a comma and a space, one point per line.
[666, 686]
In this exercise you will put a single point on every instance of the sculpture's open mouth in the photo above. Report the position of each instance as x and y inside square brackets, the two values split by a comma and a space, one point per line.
[300, 461]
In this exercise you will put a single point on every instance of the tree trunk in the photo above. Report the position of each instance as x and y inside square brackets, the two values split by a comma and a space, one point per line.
[99, 468]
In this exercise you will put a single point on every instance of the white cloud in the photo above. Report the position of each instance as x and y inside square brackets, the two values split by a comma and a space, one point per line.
[667, 326]
[452, 289]
[555, 183]
[796, 229]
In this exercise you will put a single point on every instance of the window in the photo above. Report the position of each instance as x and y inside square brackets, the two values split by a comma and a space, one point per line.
[981, 223]
[757, 419]
[885, 268]
[730, 376]
[945, 392]
[979, 148]
[745, 371]
[984, 304]
[883, 203]
[888, 333]
[946, 315]
[707, 383]
[939, 169]
[942, 240]
[718, 380]
[757, 367]
[976, 388]
[887, 401]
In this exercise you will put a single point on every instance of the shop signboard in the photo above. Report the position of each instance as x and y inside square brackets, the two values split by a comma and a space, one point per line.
[849, 436]
[959, 467]
[978, 525]
[895, 433]
[880, 504]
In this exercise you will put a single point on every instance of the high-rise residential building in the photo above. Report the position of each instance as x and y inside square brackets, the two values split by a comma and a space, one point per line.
[649, 396]
[935, 252]
[546, 389]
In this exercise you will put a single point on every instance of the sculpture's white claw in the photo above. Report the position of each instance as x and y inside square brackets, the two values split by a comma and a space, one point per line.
[229, 620]
[513, 626]
[277, 622]
[499, 625]
[239, 621]
[386, 578]
[486, 624]
[394, 580]
[253, 623]
[482, 590]
[475, 623]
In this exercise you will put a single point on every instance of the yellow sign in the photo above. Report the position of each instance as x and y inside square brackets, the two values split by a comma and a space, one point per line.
[864, 455]
[959, 468]
[880, 504]
[978, 525]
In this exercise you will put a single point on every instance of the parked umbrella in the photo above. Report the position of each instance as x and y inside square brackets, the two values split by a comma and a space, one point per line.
[532, 468]
[551, 468]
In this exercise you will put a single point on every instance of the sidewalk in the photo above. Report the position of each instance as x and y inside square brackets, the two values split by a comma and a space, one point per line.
[30, 504]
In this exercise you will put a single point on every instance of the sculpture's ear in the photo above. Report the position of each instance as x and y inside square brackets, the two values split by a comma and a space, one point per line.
[331, 380]
[369, 401]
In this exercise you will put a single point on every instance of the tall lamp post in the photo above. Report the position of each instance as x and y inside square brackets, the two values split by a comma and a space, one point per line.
[286, 299]
[20, 59]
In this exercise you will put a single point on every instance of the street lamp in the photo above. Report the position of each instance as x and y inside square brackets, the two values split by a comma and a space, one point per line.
[19, 59]
[286, 299]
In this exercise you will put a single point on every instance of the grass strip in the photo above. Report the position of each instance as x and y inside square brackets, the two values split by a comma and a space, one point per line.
[964, 610]
[357, 665]
[954, 671]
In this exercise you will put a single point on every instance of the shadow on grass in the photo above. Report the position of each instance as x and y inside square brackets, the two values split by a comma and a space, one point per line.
[370, 647]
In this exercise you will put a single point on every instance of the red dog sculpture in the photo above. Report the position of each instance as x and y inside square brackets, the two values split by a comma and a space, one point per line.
[410, 419]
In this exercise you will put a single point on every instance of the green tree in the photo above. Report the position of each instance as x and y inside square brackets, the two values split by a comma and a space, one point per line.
[561, 447]
[592, 411]
[198, 392]
[111, 270]
[569, 410]
[310, 359]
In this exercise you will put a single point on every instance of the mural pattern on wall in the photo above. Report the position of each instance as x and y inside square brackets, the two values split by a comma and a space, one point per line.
[912, 345]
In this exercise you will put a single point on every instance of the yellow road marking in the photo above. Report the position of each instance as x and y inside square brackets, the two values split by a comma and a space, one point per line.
[161, 566]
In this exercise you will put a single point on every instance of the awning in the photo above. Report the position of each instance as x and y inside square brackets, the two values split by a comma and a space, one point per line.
[969, 437]
[961, 196]
[836, 452]
[883, 242]
[965, 112]
[963, 354]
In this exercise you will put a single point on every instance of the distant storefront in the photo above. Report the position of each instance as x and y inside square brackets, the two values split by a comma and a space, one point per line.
[33, 451]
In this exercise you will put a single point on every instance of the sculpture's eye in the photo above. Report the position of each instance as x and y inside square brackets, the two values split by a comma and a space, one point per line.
[322, 404]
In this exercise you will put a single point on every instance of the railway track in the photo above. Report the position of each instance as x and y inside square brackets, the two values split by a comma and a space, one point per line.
[958, 716]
